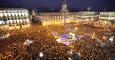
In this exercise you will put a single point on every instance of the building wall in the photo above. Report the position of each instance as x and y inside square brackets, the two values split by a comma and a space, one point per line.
[14, 17]
[107, 16]
[52, 17]
[91, 15]
[57, 18]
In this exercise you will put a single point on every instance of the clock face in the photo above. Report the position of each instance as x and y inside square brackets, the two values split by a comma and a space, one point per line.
[64, 6]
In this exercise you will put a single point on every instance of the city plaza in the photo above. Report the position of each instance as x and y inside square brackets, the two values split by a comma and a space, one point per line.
[65, 35]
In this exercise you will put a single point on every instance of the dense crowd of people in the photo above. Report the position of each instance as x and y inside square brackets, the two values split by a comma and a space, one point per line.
[42, 41]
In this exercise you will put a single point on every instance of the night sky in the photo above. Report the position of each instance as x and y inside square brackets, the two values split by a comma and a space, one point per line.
[56, 4]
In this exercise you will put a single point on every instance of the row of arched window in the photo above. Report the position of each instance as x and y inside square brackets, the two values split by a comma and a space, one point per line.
[14, 22]
[13, 11]
[14, 14]
[13, 17]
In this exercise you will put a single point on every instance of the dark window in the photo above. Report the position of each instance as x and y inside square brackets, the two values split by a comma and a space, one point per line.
[17, 11]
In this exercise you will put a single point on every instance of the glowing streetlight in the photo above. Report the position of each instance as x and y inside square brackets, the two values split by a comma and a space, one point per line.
[69, 58]
[111, 38]
[41, 54]
[28, 42]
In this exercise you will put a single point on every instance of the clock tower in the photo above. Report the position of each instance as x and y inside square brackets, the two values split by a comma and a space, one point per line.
[64, 7]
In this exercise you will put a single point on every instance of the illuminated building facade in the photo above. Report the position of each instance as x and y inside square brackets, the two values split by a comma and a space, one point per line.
[59, 18]
[87, 15]
[64, 16]
[110, 16]
[13, 18]
[56, 18]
